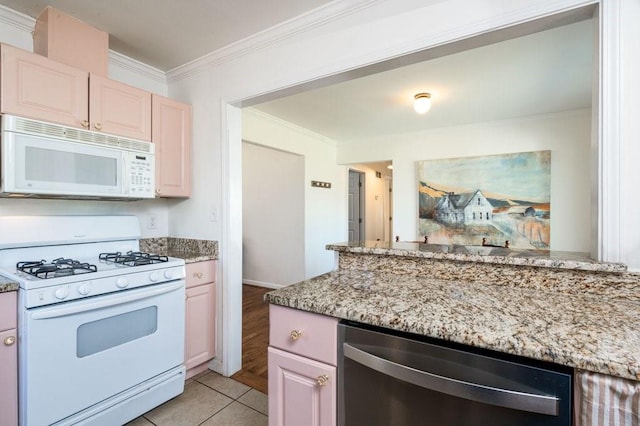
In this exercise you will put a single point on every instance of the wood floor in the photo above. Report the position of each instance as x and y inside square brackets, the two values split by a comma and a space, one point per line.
[255, 338]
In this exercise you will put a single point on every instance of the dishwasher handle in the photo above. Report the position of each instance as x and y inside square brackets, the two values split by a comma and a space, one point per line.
[541, 404]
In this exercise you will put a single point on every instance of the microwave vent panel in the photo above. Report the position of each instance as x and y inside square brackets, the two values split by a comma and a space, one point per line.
[42, 129]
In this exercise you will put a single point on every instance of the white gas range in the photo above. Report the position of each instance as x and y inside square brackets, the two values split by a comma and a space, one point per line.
[100, 325]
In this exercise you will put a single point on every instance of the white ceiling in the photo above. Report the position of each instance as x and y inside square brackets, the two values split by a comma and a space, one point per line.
[169, 33]
[541, 73]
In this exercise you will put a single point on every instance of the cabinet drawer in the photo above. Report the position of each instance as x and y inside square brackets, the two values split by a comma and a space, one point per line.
[8, 310]
[200, 273]
[303, 333]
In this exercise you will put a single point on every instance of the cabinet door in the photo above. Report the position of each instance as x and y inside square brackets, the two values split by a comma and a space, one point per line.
[301, 391]
[9, 377]
[172, 136]
[36, 87]
[200, 325]
[119, 109]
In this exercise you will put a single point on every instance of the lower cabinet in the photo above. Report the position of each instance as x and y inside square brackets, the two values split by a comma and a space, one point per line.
[302, 368]
[200, 343]
[301, 391]
[8, 360]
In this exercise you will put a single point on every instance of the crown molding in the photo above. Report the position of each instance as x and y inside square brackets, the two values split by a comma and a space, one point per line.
[125, 62]
[17, 20]
[288, 29]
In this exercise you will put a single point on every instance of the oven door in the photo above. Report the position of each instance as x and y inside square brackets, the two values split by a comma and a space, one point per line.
[74, 355]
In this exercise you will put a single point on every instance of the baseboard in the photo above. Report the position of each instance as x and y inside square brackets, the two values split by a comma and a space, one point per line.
[263, 284]
[216, 365]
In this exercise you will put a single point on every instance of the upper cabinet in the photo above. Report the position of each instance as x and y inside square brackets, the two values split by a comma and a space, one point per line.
[37, 87]
[65, 39]
[42, 89]
[172, 136]
[119, 109]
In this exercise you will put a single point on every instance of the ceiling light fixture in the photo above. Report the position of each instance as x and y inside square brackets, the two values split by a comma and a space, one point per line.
[422, 103]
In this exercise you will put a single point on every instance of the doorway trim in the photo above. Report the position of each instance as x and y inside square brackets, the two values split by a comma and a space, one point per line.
[361, 203]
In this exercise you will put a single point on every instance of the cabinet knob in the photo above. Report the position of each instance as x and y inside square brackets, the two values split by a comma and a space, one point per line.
[197, 275]
[98, 126]
[85, 124]
[295, 334]
[10, 340]
[322, 380]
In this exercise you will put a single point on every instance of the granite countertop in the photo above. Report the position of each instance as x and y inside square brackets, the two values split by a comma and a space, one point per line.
[191, 250]
[595, 328]
[7, 285]
[481, 254]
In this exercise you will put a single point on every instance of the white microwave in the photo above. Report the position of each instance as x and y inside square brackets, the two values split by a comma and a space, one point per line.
[51, 161]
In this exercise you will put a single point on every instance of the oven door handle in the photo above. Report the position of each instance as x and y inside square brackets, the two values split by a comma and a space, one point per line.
[111, 300]
[535, 403]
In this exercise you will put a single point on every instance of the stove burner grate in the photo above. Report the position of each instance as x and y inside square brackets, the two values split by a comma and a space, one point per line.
[133, 258]
[59, 267]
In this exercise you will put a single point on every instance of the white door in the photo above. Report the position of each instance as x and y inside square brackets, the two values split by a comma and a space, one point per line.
[356, 205]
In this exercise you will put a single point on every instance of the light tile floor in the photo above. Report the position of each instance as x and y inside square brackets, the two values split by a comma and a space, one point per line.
[210, 399]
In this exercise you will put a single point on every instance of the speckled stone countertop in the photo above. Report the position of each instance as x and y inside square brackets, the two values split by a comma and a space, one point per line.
[7, 285]
[587, 317]
[480, 254]
[185, 248]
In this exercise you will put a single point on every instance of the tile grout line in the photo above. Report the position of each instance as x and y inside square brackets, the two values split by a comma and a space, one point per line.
[248, 406]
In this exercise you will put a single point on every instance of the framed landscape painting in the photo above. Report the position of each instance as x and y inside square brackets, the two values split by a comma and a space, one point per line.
[498, 200]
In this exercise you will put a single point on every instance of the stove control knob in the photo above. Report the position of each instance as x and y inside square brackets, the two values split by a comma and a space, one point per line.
[84, 289]
[62, 293]
[122, 282]
[168, 274]
[154, 277]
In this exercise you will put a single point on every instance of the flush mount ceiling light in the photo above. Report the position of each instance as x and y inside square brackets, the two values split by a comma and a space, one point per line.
[422, 103]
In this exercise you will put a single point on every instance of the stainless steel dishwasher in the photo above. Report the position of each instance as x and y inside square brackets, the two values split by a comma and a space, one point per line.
[393, 378]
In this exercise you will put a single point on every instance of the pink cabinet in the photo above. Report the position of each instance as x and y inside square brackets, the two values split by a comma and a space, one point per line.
[39, 88]
[301, 391]
[8, 360]
[200, 344]
[302, 368]
[119, 109]
[70, 41]
[172, 137]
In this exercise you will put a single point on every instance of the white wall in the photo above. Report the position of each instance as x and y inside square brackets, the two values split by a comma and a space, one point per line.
[273, 210]
[15, 29]
[567, 135]
[630, 133]
[325, 210]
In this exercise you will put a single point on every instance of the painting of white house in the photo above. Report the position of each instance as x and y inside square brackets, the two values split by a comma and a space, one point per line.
[498, 200]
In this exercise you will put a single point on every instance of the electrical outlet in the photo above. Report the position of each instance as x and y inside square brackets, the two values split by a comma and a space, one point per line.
[213, 214]
[152, 221]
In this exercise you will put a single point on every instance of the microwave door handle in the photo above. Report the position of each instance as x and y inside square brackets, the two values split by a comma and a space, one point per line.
[542, 404]
[62, 311]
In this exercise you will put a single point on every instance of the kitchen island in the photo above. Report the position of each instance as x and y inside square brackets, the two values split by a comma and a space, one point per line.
[557, 307]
